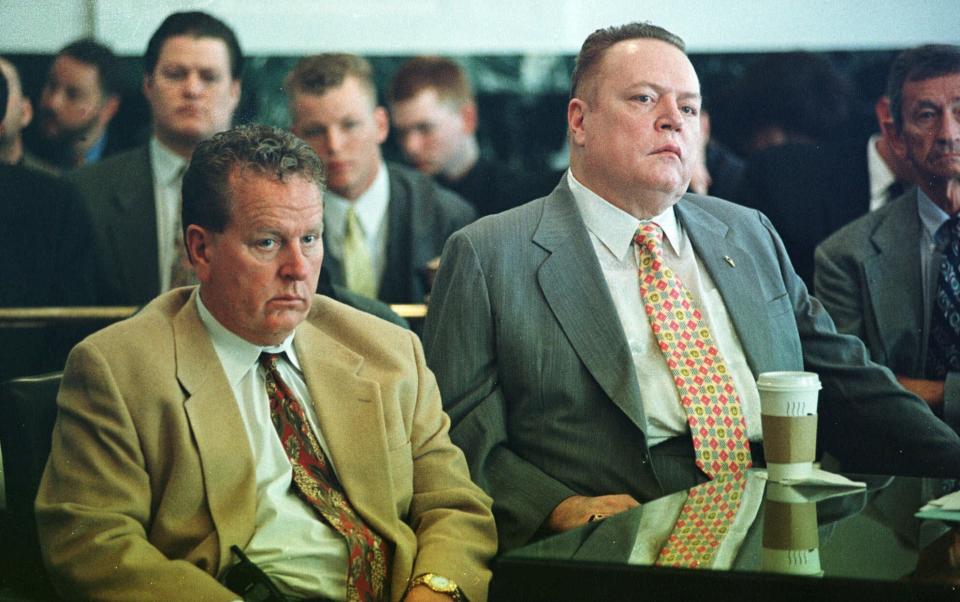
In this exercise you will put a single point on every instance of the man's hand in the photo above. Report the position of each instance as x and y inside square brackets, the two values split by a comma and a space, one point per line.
[931, 391]
[575, 511]
[422, 593]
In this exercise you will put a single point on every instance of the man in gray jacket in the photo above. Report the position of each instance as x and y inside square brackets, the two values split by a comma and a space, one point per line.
[576, 388]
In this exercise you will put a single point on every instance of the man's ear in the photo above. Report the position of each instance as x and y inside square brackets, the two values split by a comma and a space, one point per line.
[109, 109]
[200, 249]
[576, 113]
[382, 122]
[26, 112]
[468, 112]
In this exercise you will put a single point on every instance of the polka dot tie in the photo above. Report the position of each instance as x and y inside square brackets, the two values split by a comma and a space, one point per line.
[704, 521]
[716, 422]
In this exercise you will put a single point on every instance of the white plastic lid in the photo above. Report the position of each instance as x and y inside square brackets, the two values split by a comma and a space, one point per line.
[788, 381]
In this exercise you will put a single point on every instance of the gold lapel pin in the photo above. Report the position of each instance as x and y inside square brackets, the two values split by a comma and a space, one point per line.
[729, 261]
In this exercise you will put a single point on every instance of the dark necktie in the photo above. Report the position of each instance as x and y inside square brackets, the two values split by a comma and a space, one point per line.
[317, 484]
[943, 349]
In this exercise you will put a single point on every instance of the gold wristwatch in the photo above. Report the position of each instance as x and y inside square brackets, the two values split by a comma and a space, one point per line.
[439, 584]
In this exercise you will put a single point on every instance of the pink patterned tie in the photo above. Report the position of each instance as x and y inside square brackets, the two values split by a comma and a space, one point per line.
[704, 521]
[717, 426]
[316, 483]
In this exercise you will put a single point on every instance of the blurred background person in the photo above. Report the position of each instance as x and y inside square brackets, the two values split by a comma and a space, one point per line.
[434, 115]
[18, 115]
[383, 223]
[80, 97]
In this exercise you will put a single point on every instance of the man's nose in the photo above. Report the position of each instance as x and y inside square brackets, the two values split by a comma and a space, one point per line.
[296, 264]
[193, 84]
[412, 143]
[950, 128]
[51, 100]
[333, 140]
[669, 117]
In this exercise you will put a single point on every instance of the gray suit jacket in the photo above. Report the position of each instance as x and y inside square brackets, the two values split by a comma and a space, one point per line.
[420, 217]
[536, 374]
[869, 277]
[118, 195]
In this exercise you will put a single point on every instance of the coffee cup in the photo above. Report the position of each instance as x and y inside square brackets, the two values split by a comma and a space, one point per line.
[788, 413]
[790, 539]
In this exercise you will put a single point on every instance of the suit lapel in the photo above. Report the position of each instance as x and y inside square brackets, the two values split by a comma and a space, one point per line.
[399, 271]
[350, 416]
[135, 232]
[573, 285]
[734, 271]
[225, 457]
[892, 277]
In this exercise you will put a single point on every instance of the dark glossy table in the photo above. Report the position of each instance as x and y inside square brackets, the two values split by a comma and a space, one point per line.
[865, 545]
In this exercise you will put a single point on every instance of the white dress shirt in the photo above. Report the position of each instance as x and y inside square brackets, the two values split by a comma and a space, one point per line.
[303, 555]
[611, 232]
[371, 210]
[660, 517]
[167, 168]
[931, 218]
[880, 175]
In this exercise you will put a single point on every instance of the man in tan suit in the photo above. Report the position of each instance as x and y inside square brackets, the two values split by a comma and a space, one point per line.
[166, 467]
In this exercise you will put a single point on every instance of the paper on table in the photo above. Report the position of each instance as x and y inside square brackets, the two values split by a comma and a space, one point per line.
[943, 508]
[819, 478]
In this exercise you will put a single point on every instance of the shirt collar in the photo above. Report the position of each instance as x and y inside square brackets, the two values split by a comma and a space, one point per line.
[880, 175]
[931, 216]
[237, 355]
[615, 227]
[94, 153]
[369, 206]
[167, 165]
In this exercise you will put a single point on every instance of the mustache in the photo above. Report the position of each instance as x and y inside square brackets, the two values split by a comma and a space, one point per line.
[949, 147]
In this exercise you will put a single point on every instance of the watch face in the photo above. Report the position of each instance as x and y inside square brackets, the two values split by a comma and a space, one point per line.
[440, 584]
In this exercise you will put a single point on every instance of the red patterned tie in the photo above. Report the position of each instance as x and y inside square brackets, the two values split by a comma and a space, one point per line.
[318, 485]
[704, 521]
[717, 426]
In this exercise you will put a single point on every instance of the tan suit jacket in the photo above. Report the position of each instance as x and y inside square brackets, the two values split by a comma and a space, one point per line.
[151, 479]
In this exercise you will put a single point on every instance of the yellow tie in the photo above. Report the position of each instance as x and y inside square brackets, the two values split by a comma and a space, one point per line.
[357, 267]
[181, 270]
[717, 425]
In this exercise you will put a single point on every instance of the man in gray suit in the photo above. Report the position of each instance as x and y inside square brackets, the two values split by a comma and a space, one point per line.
[551, 370]
[879, 277]
[383, 223]
[191, 79]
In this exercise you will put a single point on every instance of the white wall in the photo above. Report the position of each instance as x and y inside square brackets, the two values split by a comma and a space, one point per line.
[293, 27]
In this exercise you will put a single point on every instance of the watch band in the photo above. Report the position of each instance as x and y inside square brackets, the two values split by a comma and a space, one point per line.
[439, 584]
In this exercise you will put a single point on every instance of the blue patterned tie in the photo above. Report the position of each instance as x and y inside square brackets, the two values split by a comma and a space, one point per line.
[943, 350]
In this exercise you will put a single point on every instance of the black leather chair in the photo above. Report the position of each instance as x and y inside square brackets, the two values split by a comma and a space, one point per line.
[28, 409]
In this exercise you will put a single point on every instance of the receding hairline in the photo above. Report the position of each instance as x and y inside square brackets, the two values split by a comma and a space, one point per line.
[587, 85]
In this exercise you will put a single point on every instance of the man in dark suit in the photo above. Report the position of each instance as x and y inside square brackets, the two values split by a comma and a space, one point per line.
[383, 223]
[250, 420]
[573, 386]
[191, 79]
[80, 98]
[434, 115]
[47, 258]
[889, 277]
